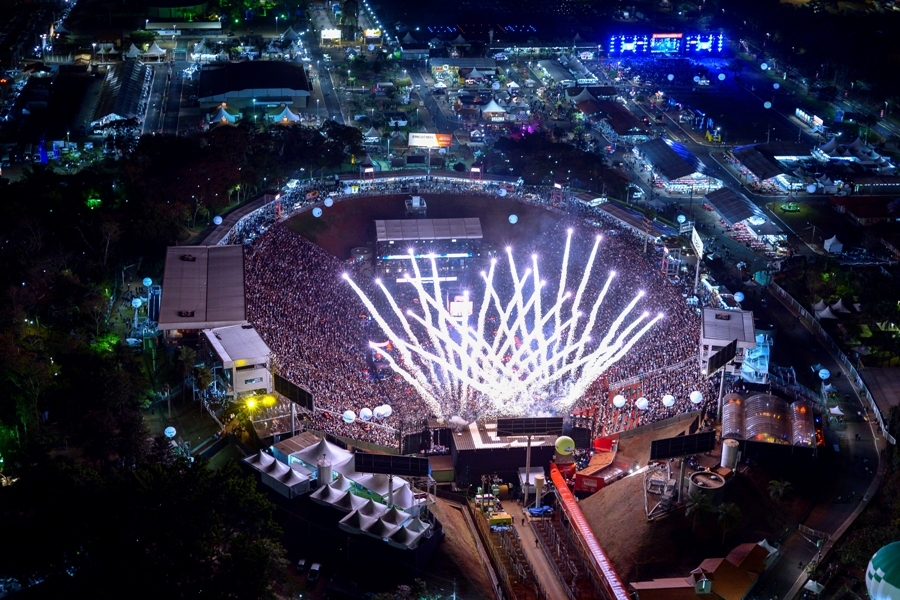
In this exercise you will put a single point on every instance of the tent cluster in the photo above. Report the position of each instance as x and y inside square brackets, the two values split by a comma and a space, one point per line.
[857, 152]
[288, 481]
[824, 311]
[396, 527]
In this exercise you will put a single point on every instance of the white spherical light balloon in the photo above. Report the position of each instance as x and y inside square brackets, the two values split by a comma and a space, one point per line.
[764, 66]
[365, 414]
[739, 296]
[670, 77]
[329, 202]
[668, 400]
[767, 104]
[217, 220]
[317, 212]
[513, 219]
[696, 397]
[347, 189]
[642, 403]
[696, 78]
[721, 76]
[776, 85]
[378, 412]
[619, 401]
[501, 192]
[349, 416]
[388, 411]
[371, 47]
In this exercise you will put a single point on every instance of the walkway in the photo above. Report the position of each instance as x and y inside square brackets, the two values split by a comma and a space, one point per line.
[540, 564]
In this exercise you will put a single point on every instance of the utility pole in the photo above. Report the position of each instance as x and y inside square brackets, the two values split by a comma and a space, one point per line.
[647, 224]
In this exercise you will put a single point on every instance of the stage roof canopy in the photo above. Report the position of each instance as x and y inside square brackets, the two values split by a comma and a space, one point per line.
[428, 229]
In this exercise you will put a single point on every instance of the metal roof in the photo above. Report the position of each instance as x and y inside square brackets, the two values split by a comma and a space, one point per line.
[238, 345]
[758, 163]
[203, 287]
[672, 160]
[121, 92]
[731, 206]
[428, 229]
[728, 325]
[465, 63]
[262, 79]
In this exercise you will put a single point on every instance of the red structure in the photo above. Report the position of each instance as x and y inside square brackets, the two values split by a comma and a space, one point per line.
[613, 587]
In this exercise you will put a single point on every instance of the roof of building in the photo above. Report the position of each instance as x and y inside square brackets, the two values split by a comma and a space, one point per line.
[121, 92]
[556, 71]
[203, 287]
[621, 119]
[671, 160]
[262, 78]
[428, 229]
[728, 325]
[465, 63]
[866, 207]
[238, 345]
[731, 205]
[761, 164]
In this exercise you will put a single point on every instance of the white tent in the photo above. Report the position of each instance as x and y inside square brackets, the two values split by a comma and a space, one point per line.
[814, 587]
[819, 306]
[512, 85]
[404, 497]
[372, 509]
[284, 480]
[418, 524]
[133, 52]
[285, 116]
[395, 516]
[816, 367]
[826, 314]
[833, 245]
[839, 306]
[372, 136]
[493, 107]
[341, 483]
[828, 388]
[348, 502]
[327, 495]
[356, 522]
[408, 39]
[323, 449]
[836, 411]
[222, 116]
[260, 460]
[404, 538]
[290, 35]
[155, 50]
[378, 483]
[346, 468]
[476, 74]
[381, 529]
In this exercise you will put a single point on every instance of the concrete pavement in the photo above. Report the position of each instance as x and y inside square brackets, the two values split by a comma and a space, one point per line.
[540, 564]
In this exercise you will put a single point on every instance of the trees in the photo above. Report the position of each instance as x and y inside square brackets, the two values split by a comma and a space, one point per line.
[729, 517]
[779, 489]
[700, 504]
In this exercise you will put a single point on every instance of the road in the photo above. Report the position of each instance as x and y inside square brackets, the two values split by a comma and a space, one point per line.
[153, 118]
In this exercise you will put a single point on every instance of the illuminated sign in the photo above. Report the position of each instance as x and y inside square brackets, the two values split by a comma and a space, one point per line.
[624, 44]
[407, 256]
[697, 243]
[372, 33]
[430, 140]
[657, 36]
[704, 42]
[461, 306]
[331, 34]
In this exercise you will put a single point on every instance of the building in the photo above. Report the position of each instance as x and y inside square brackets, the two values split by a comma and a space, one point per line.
[676, 168]
[721, 327]
[454, 242]
[122, 93]
[768, 419]
[868, 210]
[252, 84]
[179, 10]
[729, 578]
[241, 357]
[203, 288]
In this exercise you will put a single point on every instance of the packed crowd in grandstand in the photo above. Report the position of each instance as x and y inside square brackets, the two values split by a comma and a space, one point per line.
[319, 330]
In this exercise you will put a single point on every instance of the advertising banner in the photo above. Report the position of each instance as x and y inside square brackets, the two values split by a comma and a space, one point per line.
[430, 140]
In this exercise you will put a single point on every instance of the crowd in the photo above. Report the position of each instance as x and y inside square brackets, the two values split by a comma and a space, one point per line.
[319, 330]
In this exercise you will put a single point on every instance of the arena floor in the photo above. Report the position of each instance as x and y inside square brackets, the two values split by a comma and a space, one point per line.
[350, 224]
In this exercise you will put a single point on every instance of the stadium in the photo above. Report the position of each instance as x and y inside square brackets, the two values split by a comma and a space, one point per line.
[338, 330]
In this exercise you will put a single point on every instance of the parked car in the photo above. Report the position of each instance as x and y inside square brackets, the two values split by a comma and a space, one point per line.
[314, 572]
[301, 565]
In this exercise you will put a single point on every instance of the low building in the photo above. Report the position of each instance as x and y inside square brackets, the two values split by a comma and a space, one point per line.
[868, 210]
[729, 578]
[122, 93]
[719, 328]
[241, 357]
[251, 84]
[203, 288]
[677, 168]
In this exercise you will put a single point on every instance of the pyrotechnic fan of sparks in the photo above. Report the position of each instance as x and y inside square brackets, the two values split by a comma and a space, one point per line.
[536, 353]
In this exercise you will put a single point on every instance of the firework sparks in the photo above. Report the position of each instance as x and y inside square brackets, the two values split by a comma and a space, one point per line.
[532, 352]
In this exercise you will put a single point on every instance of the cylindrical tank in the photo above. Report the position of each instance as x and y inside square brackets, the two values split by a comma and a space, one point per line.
[705, 483]
[324, 475]
[730, 453]
[539, 487]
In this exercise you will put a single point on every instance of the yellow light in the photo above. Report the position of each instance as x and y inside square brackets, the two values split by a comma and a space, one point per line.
[268, 400]
[251, 402]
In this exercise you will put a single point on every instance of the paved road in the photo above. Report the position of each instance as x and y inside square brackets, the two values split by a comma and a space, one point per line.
[153, 118]
[539, 562]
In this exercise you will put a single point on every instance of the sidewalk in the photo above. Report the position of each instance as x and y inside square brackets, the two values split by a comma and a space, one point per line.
[543, 571]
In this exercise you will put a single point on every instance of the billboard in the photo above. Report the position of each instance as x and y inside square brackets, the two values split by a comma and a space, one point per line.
[697, 243]
[704, 42]
[588, 483]
[372, 33]
[623, 44]
[430, 140]
[331, 34]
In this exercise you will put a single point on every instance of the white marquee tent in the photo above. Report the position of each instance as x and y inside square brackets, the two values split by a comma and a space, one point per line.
[833, 245]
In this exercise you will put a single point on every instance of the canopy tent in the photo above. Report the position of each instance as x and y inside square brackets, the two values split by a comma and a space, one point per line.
[348, 502]
[394, 516]
[133, 52]
[372, 509]
[816, 367]
[820, 305]
[732, 206]
[290, 35]
[459, 41]
[493, 107]
[378, 483]
[418, 524]
[260, 460]
[356, 522]
[826, 314]
[836, 411]
[285, 115]
[327, 495]
[404, 538]
[476, 74]
[511, 85]
[828, 388]
[223, 115]
[341, 483]
[346, 468]
[404, 497]
[381, 529]
[814, 587]
[372, 136]
[408, 39]
[833, 245]
[839, 307]
[155, 50]
[278, 476]
[324, 449]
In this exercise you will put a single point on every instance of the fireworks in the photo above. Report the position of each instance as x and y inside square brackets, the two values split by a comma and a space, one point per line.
[524, 358]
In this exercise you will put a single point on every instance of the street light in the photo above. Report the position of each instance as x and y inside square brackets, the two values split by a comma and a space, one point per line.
[317, 110]
[146, 23]
[93, 51]
[276, 24]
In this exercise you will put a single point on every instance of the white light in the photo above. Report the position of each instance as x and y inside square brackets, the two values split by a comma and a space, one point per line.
[505, 365]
